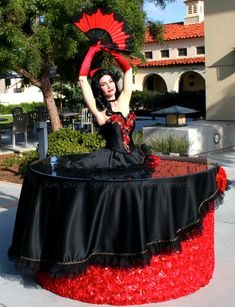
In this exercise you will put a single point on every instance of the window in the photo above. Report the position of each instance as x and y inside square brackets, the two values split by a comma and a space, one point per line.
[17, 90]
[182, 52]
[195, 9]
[190, 9]
[148, 55]
[165, 53]
[7, 82]
[201, 50]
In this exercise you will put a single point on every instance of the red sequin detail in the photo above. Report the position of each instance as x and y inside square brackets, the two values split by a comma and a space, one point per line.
[126, 124]
[167, 277]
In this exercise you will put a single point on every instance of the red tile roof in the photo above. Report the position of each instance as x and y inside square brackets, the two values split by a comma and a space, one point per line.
[178, 30]
[169, 62]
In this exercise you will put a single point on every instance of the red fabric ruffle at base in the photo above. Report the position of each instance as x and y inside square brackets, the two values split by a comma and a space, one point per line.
[167, 277]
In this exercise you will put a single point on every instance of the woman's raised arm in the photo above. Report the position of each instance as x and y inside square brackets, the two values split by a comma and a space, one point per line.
[85, 85]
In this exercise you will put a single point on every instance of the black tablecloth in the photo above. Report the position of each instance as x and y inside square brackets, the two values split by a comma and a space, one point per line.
[69, 219]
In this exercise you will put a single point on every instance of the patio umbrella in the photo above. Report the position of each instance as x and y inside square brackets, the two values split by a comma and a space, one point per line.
[175, 115]
[174, 110]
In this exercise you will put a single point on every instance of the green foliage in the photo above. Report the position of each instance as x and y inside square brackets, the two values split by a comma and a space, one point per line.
[138, 137]
[35, 32]
[143, 101]
[149, 101]
[156, 30]
[66, 141]
[27, 107]
[169, 144]
[22, 160]
[26, 159]
[71, 93]
[6, 123]
[62, 142]
[161, 3]
[36, 35]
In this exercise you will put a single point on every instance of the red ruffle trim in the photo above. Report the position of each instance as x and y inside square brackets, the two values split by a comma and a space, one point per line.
[167, 277]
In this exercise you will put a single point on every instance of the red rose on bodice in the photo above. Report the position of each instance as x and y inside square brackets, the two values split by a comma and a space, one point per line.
[125, 124]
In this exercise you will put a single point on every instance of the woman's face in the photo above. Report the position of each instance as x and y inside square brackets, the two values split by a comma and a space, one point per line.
[108, 87]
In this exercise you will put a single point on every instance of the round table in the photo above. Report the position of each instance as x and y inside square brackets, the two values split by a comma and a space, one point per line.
[121, 237]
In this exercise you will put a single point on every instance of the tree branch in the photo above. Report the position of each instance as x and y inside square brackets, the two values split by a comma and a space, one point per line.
[28, 76]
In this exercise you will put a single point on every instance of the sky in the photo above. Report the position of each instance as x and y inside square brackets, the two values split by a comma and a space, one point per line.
[173, 12]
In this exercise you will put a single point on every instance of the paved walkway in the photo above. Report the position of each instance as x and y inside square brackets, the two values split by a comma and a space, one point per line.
[19, 291]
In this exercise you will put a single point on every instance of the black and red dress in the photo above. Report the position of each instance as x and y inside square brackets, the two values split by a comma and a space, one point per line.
[115, 227]
[119, 151]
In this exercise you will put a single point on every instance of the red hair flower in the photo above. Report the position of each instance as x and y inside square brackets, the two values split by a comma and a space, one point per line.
[221, 179]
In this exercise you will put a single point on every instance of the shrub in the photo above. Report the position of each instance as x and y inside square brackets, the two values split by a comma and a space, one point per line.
[22, 160]
[27, 107]
[138, 137]
[168, 144]
[66, 141]
[26, 159]
[62, 142]
[144, 102]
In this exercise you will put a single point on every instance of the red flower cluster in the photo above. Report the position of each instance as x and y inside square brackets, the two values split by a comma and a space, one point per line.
[221, 179]
[152, 161]
[125, 123]
[168, 276]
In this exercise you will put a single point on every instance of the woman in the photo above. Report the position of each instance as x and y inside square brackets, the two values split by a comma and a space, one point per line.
[111, 109]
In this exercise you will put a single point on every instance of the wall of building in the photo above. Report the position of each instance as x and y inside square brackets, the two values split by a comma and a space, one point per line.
[173, 46]
[14, 94]
[171, 75]
[220, 59]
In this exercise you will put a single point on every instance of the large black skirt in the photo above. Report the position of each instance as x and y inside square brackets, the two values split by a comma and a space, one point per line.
[68, 219]
[106, 159]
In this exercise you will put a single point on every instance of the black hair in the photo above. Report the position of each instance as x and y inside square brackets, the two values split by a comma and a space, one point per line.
[101, 101]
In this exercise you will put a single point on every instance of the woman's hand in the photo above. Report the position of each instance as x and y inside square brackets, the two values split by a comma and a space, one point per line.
[121, 61]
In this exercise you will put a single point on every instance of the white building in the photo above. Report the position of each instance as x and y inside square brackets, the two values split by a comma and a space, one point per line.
[12, 90]
[178, 63]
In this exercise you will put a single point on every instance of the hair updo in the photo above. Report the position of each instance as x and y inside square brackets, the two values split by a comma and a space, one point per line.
[101, 101]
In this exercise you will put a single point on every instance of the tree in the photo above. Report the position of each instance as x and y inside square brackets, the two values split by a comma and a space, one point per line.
[38, 34]
[161, 3]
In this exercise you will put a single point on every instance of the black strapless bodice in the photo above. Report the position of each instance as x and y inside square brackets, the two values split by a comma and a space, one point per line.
[120, 151]
[117, 132]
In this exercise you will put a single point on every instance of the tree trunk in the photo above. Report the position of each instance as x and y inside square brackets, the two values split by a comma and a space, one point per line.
[51, 106]
[45, 85]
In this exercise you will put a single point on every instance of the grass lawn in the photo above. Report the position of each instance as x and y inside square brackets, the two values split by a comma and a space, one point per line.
[6, 124]
[9, 118]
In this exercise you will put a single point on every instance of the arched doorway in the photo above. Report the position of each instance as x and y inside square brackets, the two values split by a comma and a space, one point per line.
[191, 81]
[155, 83]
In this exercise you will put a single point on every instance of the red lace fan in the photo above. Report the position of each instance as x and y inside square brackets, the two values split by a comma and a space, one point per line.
[105, 26]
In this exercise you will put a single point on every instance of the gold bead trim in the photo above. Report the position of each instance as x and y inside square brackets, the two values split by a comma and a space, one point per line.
[124, 254]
